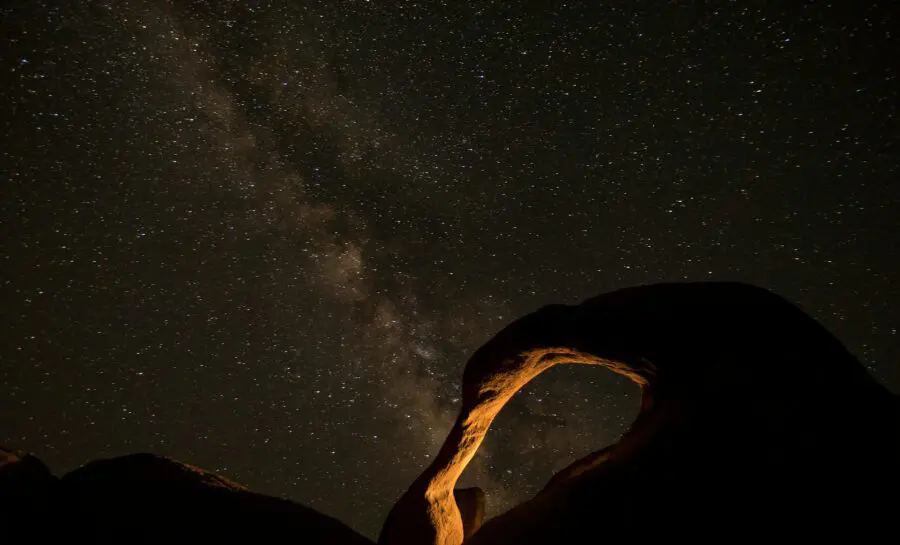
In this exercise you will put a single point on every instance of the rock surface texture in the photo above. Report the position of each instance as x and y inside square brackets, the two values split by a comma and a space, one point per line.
[755, 422]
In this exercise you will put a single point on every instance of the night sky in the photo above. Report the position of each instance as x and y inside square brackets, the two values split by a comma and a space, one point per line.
[264, 237]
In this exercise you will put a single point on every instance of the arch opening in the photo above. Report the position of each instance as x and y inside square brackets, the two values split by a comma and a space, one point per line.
[561, 416]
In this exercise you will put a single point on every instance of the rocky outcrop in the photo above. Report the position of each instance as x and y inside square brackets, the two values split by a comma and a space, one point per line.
[26, 492]
[148, 499]
[755, 421]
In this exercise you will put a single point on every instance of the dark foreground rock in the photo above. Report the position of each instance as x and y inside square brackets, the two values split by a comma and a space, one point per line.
[26, 491]
[756, 423]
[148, 499]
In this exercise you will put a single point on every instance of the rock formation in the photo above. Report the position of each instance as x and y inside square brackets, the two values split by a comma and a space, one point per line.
[755, 421]
[26, 489]
[148, 499]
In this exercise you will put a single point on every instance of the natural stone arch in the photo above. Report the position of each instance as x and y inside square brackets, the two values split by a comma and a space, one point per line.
[442, 523]
[428, 513]
[683, 345]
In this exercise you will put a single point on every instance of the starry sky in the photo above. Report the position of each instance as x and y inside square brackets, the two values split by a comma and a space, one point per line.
[263, 237]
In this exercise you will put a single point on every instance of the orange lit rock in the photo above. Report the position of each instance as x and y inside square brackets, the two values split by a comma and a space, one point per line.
[755, 420]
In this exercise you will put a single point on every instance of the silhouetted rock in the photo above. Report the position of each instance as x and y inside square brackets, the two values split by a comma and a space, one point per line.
[755, 422]
[148, 499]
[26, 489]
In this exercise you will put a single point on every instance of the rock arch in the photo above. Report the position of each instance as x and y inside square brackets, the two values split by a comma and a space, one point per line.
[706, 356]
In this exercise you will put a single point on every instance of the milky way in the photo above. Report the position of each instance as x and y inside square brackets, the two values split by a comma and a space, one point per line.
[263, 238]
